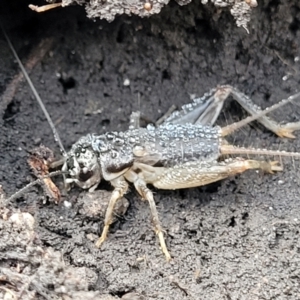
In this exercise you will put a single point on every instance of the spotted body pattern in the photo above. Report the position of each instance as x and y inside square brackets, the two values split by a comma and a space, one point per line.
[166, 146]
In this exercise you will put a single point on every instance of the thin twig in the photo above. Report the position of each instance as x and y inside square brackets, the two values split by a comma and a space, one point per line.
[44, 7]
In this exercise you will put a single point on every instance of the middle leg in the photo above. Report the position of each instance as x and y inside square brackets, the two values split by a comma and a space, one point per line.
[146, 194]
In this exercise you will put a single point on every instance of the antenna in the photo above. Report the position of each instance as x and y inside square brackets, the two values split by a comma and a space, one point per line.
[34, 91]
[29, 185]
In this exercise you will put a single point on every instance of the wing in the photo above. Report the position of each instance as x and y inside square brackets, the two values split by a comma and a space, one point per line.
[204, 110]
[170, 145]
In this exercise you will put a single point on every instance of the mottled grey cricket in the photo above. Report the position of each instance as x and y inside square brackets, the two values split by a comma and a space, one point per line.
[186, 150]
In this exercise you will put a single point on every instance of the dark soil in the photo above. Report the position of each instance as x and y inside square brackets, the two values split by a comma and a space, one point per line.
[237, 239]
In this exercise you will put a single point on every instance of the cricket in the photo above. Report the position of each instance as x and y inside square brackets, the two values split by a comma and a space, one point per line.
[186, 150]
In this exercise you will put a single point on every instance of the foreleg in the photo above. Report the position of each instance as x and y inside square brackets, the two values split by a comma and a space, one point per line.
[121, 187]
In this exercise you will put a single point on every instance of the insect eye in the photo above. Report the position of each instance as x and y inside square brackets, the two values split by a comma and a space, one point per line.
[70, 163]
[79, 151]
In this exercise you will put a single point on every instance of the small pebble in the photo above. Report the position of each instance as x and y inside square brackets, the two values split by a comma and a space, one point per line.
[67, 204]
[126, 82]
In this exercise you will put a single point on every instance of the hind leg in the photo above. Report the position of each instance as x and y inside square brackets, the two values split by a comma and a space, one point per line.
[282, 130]
[198, 173]
[205, 111]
